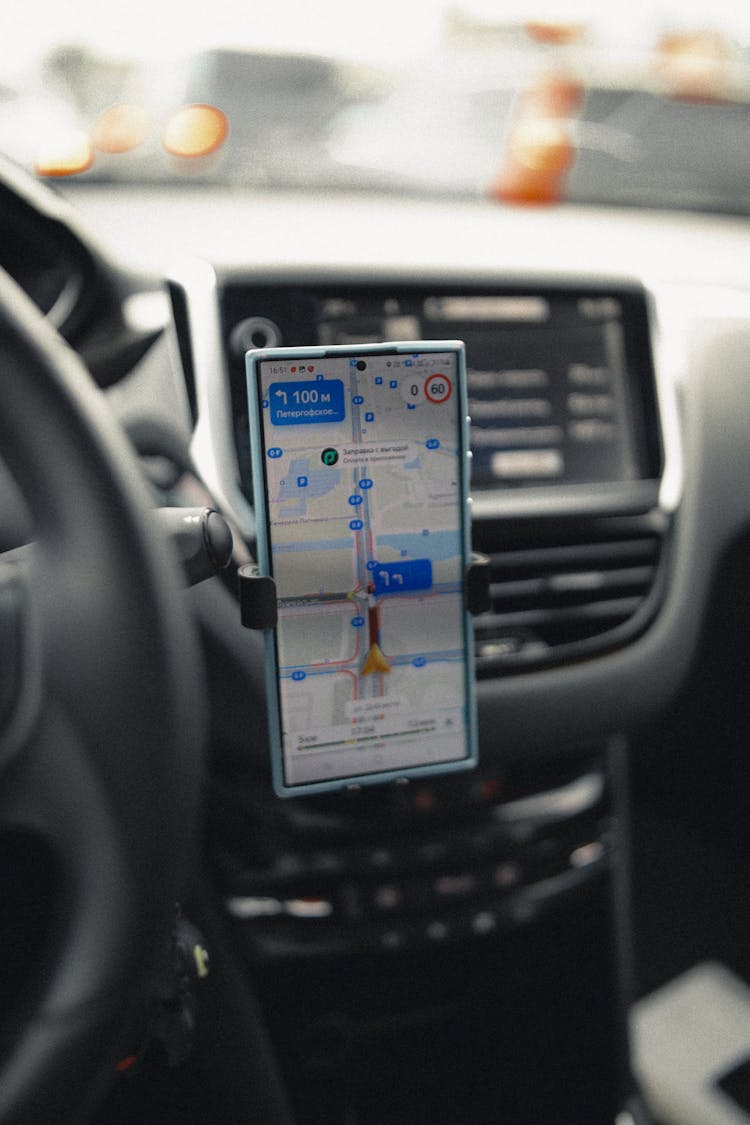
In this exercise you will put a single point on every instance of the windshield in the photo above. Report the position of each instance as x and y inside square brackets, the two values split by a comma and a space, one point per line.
[514, 102]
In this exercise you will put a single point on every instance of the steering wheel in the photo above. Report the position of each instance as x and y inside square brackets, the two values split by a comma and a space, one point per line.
[101, 729]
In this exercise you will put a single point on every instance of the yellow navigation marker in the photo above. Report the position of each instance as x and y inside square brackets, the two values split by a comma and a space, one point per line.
[374, 662]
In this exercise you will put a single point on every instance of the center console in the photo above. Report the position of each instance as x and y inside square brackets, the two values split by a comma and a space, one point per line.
[444, 951]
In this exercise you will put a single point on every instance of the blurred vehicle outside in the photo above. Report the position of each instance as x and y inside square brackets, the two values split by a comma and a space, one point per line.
[522, 109]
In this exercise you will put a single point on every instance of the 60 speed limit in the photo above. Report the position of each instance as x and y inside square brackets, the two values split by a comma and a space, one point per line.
[436, 389]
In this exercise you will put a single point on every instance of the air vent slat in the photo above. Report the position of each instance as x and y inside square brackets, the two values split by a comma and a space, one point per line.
[613, 609]
[571, 584]
[554, 601]
[578, 555]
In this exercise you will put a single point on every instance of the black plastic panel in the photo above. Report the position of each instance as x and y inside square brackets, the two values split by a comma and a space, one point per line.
[561, 382]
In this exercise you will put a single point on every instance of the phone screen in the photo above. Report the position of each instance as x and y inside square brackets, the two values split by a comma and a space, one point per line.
[361, 495]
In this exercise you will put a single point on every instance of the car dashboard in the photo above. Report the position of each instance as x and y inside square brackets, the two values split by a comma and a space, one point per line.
[448, 950]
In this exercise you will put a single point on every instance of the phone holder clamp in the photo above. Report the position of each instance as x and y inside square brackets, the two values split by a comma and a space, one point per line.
[259, 606]
[477, 585]
[258, 602]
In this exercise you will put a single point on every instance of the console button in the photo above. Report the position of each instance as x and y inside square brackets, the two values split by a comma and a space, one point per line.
[437, 931]
[587, 854]
[455, 886]
[388, 897]
[392, 939]
[253, 906]
[309, 906]
[484, 922]
[380, 858]
[508, 875]
[424, 798]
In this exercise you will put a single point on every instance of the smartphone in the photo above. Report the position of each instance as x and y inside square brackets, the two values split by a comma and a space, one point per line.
[360, 462]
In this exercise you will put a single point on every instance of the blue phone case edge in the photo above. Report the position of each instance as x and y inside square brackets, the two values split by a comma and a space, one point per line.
[273, 703]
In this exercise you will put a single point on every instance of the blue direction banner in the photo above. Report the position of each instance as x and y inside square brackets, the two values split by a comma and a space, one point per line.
[306, 402]
[396, 578]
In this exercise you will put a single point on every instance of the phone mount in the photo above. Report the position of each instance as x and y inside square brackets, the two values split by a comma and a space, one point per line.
[259, 604]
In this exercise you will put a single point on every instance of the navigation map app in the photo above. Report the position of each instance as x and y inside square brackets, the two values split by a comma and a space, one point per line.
[364, 490]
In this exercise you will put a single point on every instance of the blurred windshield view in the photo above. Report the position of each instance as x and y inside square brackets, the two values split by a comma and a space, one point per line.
[475, 99]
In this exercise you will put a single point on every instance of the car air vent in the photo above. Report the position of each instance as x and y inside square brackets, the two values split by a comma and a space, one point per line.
[563, 594]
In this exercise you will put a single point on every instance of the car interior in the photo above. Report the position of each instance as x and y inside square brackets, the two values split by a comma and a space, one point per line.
[557, 936]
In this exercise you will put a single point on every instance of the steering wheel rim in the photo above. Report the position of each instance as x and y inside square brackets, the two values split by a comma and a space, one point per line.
[100, 738]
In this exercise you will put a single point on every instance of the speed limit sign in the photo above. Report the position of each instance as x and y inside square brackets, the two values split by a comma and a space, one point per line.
[438, 388]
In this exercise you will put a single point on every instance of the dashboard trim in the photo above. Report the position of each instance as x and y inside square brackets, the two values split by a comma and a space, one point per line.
[608, 499]
[673, 473]
[213, 443]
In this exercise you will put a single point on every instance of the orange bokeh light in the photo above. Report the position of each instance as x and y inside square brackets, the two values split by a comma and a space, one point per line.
[542, 146]
[68, 153]
[121, 128]
[695, 65]
[552, 95]
[195, 130]
[554, 34]
[538, 157]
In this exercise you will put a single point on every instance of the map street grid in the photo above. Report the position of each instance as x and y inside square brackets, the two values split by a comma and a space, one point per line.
[364, 511]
